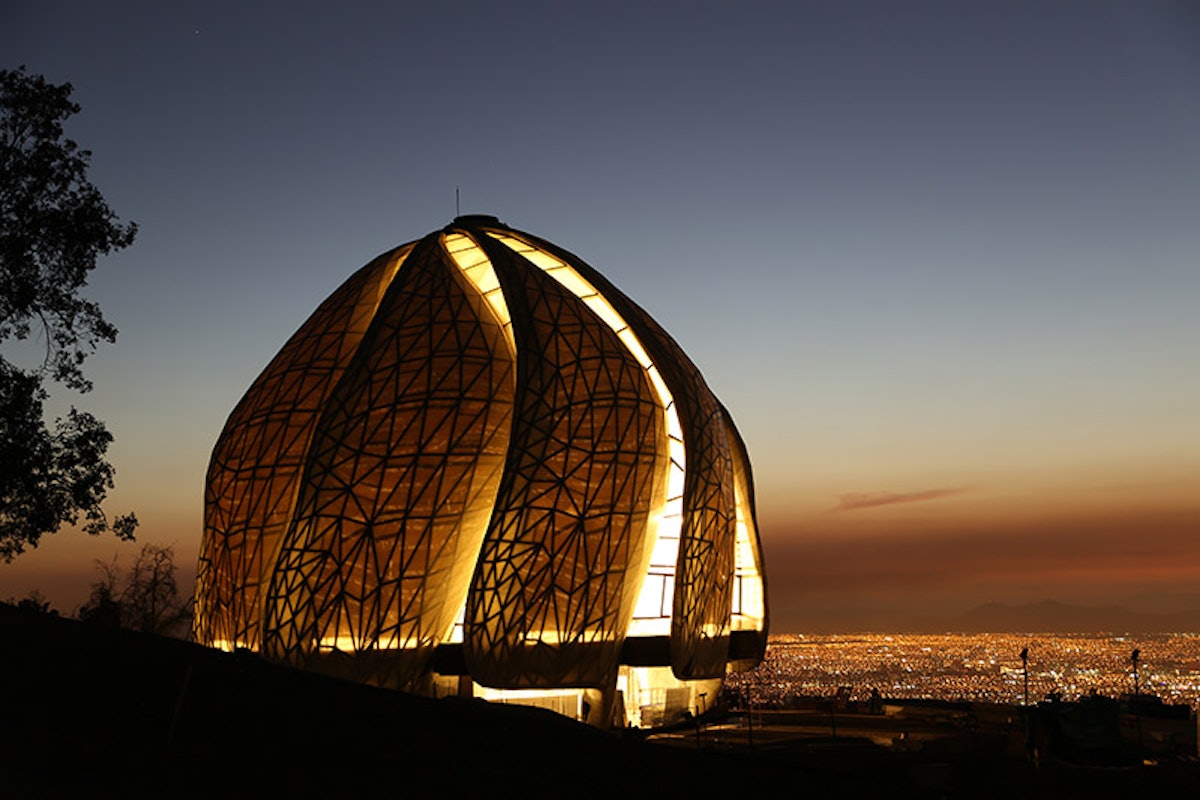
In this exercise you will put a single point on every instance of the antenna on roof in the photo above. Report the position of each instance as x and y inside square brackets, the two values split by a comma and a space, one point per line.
[457, 208]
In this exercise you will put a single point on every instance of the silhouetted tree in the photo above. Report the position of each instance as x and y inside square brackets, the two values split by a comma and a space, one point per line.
[147, 599]
[151, 597]
[33, 603]
[53, 225]
[103, 606]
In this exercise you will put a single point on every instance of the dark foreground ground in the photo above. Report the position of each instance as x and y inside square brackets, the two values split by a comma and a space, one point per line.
[91, 712]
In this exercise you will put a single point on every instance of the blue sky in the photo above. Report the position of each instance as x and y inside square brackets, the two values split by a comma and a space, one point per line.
[945, 251]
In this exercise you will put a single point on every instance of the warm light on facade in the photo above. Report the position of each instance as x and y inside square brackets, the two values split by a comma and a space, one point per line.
[652, 611]
[479, 468]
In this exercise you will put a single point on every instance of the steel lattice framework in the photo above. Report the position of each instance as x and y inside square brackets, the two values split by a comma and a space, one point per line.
[478, 442]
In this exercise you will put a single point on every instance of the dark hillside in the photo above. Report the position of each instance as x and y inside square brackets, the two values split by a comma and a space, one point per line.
[92, 711]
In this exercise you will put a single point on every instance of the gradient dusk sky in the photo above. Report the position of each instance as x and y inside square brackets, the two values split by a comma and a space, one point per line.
[941, 260]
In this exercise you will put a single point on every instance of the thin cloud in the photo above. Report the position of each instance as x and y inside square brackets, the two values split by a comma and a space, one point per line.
[858, 500]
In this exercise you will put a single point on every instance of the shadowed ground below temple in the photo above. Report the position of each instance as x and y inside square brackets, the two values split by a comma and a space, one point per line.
[95, 712]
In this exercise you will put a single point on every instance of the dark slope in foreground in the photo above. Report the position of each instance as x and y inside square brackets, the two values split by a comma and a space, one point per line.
[89, 712]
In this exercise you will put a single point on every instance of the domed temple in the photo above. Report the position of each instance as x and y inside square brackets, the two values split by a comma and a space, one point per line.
[479, 469]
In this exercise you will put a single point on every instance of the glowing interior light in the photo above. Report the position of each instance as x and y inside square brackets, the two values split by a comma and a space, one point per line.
[749, 609]
[510, 694]
[631, 342]
[349, 644]
[604, 311]
[474, 263]
[346, 644]
[571, 703]
[456, 632]
[477, 267]
[552, 637]
[661, 388]
[653, 608]
[655, 697]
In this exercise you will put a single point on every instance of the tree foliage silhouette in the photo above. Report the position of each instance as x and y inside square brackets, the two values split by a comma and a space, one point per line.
[145, 599]
[33, 603]
[150, 602]
[103, 606]
[53, 225]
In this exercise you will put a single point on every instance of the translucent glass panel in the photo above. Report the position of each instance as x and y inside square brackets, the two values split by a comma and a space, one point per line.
[704, 569]
[749, 589]
[477, 268]
[654, 697]
[704, 575]
[257, 461]
[652, 611]
[749, 608]
[475, 265]
[402, 476]
[585, 705]
[558, 572]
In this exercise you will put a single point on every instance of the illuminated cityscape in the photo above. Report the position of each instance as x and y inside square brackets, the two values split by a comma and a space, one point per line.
[974, 667]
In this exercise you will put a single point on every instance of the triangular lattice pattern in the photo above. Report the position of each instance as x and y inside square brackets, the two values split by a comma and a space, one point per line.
[401, 480]
[704, 572]
[257, 462]
[558, 573]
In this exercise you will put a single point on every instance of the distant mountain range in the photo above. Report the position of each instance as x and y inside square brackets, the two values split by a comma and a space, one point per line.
[1048, 616]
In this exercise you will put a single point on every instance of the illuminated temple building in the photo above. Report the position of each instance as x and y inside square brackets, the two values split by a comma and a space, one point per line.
[479, 469]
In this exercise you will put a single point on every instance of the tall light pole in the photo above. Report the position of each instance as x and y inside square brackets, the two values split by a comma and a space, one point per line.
[1025, 670]
[1133, 702]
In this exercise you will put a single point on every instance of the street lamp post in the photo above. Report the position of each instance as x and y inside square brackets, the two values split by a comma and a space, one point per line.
[1026, 721]
[1025, 670]
[1134, 705]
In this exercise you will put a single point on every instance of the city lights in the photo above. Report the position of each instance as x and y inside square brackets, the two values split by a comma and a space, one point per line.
[983, 667]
